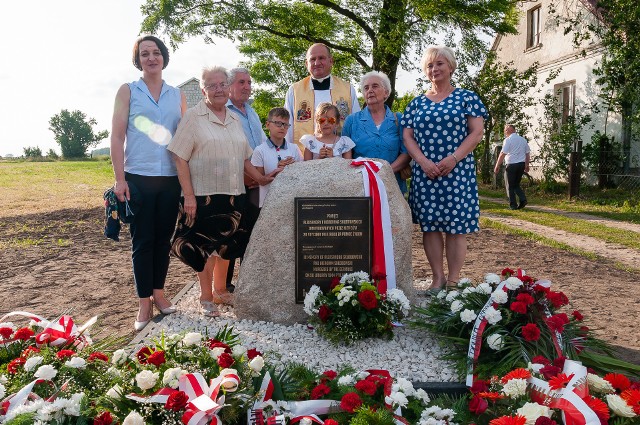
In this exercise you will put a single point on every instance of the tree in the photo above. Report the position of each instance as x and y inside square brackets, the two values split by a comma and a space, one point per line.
[30, 152]
[363, 34]
[74, 133]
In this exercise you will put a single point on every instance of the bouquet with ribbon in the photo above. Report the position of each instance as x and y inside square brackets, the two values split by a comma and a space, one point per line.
[355, 308]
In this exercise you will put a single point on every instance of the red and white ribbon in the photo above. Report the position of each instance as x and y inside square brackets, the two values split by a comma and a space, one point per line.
[570, 400]
[160, 396]
[313, 418]
[204, 402]
[382, 259]
[19, 398]
[62, 331]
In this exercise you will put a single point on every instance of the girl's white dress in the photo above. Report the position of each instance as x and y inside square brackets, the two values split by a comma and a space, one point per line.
[342, 145]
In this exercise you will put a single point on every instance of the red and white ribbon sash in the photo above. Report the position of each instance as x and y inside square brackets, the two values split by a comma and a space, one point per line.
[569, 399]
[19, 398]
[383, 262]
[160, 396]
[62, 331]
[204, 402]
[315, 419]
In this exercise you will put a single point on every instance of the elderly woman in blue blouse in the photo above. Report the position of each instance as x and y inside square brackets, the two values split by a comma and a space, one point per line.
[441, 129]
[376, 130]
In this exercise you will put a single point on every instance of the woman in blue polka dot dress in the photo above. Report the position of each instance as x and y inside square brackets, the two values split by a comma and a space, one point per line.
[440, 130]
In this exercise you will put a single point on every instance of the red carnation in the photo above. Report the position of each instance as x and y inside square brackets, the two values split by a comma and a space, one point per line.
[531, 332]
[97, 355]
[177, 401]
[253, 353]
[558, 299]
[324, 313]
[143, 354]
[368, 299]
[214, 343]
[320, 391]
[618, 381]
[30, 349]
[479, 386]
[478, 405]
[15, 364]
[557, 322]
[63, 354]
[330, 374]
[527, 280]
[543, 420]
[525, 298]
[549, 371]
[366, 386]
[334, 282]
[24, 334]
[507, 271]
[157, 358]
[6, 332]
[225, 360]
[577, 315]
[350, 402]
[559, 361]
[103, 418]
[518, 307]
[330, 422]
[540, 360]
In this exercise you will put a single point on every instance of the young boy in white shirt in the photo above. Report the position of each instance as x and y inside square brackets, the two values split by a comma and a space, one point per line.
[275, 152]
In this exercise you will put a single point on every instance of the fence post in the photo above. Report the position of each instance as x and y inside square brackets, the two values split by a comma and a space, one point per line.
[574, 174]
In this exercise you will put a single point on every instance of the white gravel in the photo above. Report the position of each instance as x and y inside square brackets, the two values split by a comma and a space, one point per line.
[412, 354]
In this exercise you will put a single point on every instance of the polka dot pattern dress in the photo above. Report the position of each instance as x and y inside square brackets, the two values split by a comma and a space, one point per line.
[446, 204]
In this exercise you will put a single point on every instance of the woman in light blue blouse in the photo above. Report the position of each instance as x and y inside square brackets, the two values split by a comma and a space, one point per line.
[376, 130]
[145, 117]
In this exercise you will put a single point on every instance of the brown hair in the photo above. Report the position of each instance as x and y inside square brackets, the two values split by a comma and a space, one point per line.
[159, 43]
[278, 112]
[325, 107]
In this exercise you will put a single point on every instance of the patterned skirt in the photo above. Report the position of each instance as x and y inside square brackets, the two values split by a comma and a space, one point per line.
[219, 227]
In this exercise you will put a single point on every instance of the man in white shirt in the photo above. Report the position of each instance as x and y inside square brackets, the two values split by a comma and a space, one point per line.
[320, 86]
[516, 154]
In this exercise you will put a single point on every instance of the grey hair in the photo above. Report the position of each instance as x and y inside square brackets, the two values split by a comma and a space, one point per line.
[213, 70]
[433, 52]
[235, 71]
[384, 79]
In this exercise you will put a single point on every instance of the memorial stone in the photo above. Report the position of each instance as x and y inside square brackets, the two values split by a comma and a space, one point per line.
[266, 284]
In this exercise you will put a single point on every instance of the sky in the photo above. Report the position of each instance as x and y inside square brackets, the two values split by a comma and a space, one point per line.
[75, 54]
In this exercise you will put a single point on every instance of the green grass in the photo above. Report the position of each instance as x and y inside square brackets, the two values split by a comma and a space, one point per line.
[572, 225]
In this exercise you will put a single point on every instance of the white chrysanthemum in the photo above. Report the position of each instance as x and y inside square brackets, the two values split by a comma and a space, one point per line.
[133, 418]
[619, 406]
[515, 388]
[363, 374]
[119, 357]
[441, 294]
[447, 414]
[256, 364]
[404, 385]
[216, 352]
[3, 391]
[46, 372]
[468, 316]
[115, 391]
[76, 362]
[396, 296]
[146, 379]
[355, 277]
[492, 278]
[464, 281]
[345, 294]
[354, 302]
[114, 371]
[535, 367]
[422, 395]
[310, 300]
[397, 398]
[514, 283]
[532, 411]
[32, 362]
[492, 315]
[171, 377]
[499, 296]
[452, 295]
[484, 288]
[72, 405]
[238, 350]
[495, 341]
[346, 380]
[191, 338]
[598, 384]
[456, 306]
[468, 290]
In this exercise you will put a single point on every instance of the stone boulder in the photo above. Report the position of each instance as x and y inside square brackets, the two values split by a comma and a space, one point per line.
[266, 283]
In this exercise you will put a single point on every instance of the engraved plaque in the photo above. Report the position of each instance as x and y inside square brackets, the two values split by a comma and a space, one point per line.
[333, 237]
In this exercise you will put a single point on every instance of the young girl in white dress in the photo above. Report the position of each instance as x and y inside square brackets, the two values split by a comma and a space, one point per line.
[326, 143]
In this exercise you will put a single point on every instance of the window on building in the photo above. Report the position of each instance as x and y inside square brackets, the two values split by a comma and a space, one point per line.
[566, 93]
[533, 27]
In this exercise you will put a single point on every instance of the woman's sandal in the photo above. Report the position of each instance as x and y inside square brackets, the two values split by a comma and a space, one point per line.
[451, 284]
[209, 309]
[435, 290]
[222, 297]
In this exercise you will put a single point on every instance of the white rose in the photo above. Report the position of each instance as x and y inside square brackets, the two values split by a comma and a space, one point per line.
[147, 379]
[532, 411]
[191, 338]
[468, 316]
[456, 306]
[484, 288]
[133, 418]
[495, 341]
[499, 296]
[215, 352]
[452, 295]
[46, 372]
[172, 376]
[32, 362]
[598, 384]
[119, 357]
[115, 391]
[619, 406]
[513, 283]
[492, 315]
[256, 364]
[515, 388]
[76, 363]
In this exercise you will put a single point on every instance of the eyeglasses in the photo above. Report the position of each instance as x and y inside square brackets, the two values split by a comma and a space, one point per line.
[322, 120]
[280, 124]
[214, 87]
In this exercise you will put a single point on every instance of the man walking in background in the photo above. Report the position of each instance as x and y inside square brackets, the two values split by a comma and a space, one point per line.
[516, 154]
